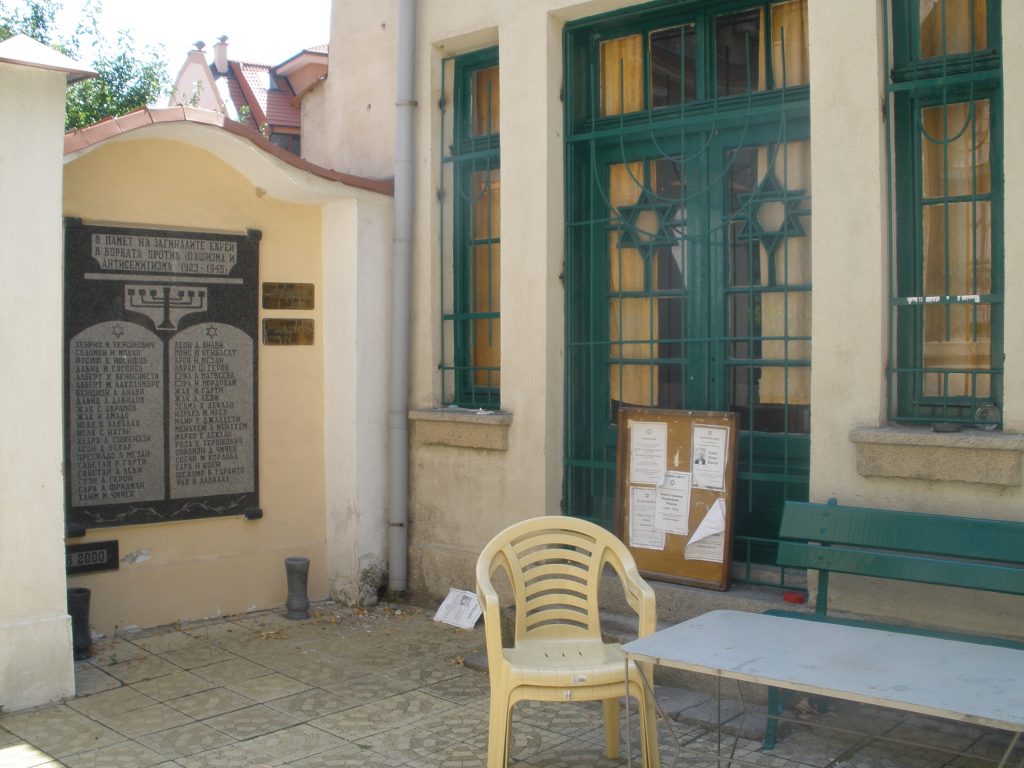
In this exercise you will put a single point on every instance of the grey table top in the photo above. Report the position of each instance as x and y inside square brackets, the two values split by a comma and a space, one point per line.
[945, 678]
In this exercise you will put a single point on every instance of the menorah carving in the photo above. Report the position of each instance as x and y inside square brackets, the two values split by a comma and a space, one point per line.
[165, 305]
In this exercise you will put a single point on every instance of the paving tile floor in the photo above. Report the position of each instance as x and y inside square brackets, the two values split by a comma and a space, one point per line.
[389, 688]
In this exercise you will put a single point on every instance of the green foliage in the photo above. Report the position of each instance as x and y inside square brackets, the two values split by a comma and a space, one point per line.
[128, 79]
[36, 19]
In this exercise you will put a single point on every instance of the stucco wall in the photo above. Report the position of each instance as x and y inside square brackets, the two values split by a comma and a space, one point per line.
[194, 569]
[460, 497]
[348, 122]
[35, 633]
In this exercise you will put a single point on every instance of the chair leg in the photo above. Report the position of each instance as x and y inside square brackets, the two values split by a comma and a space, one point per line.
[498, 732]
[611, 727]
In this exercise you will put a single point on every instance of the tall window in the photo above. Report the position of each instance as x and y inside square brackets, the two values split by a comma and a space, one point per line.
[688, 240]
[471, 192]
[947, 303]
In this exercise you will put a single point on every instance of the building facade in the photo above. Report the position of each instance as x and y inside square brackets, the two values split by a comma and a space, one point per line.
[791, 209]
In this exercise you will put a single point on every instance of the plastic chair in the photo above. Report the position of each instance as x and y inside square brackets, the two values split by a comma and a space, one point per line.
[554, 565]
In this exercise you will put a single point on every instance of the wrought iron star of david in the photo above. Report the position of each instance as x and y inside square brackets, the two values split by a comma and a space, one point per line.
[645, 232]
[769, 197]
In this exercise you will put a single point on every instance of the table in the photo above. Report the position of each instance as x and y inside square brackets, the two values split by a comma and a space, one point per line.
[943, 678]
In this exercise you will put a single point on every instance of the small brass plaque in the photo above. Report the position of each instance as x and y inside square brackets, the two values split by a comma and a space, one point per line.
[286, 332]
[288, 295]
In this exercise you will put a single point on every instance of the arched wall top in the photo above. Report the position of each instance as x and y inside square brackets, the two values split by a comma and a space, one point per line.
[282, 174]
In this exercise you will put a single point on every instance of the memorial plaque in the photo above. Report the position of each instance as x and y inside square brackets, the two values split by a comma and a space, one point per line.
[160, 374]
[287, 332]
[288, 295]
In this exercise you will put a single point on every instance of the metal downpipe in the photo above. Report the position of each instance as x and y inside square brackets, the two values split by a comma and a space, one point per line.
[401, 295]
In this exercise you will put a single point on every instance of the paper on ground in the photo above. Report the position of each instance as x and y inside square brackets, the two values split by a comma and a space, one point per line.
[460, 609]
[708, 541]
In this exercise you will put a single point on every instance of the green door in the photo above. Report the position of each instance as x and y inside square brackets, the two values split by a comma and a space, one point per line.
[688, 287]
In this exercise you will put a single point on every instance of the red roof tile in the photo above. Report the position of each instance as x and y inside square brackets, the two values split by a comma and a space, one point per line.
[269, 104]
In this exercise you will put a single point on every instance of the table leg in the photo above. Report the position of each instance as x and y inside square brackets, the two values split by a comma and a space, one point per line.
[629, 713]
[1009, 751]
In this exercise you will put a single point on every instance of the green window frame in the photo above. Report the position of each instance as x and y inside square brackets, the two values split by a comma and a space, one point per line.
[470, 191]
[688, 242]
[945, 175]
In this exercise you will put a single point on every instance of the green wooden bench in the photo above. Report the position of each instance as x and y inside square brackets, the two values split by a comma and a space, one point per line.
[908, 546]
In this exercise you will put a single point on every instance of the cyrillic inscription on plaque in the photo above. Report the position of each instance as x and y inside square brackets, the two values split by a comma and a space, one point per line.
[117, 433]
[160, 333]
[211, 409]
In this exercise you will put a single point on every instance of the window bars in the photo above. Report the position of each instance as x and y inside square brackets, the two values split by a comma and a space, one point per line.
[945, 177]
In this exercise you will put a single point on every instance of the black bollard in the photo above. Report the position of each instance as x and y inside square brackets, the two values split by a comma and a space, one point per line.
[297, 604]
[78, 609]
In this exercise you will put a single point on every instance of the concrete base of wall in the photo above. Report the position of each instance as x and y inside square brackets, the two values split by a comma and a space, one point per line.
[36, 667]
[434, 569]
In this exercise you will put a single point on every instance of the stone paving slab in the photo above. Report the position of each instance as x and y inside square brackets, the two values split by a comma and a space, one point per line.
[390, 688]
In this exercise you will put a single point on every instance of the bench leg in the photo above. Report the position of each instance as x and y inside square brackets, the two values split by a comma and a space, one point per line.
[776, 703]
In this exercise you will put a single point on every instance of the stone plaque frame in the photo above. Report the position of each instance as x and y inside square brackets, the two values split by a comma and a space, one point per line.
[161, 332]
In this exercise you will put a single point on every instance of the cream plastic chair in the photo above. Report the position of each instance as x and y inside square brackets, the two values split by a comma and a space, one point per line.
[554, 565]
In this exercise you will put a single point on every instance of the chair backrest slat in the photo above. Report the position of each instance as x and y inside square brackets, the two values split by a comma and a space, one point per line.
[554, 565]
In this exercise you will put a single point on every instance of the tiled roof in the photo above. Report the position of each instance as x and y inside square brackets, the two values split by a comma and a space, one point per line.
[238, 99]
[75, 141]
[270, 105]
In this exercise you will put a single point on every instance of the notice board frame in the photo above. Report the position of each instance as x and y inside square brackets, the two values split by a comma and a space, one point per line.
[670, 564]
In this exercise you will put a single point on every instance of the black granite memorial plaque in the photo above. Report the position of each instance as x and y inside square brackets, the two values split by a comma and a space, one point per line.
[160, 331]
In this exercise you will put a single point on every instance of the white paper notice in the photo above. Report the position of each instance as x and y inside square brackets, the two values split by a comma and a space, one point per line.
[642, 532]
[708, 456]
[460, 609]
[708, 541]
[672, 508]
[648, 452]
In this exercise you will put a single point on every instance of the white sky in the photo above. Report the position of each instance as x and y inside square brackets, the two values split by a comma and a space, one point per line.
[259, 32]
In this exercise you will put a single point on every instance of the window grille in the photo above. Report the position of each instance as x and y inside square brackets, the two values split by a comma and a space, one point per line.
[945, 176]
[471, 232]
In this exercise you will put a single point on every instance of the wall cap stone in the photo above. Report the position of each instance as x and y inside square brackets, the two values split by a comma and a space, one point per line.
[462, 428]
[970, 456]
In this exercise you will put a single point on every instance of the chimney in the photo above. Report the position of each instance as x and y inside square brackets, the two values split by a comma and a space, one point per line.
[220, 55]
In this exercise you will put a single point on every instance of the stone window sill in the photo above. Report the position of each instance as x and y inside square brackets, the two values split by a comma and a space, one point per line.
[462, 428]
[970, 456]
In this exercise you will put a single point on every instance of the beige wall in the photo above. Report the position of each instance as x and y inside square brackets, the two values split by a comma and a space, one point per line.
[460, 494]
[348, 123]
[356, 329]
[35, 633]
[195, 569]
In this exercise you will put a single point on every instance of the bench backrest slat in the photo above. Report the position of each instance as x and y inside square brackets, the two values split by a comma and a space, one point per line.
[950, 536]
[905, 567]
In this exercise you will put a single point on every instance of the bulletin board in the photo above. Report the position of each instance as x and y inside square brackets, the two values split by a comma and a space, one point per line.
[675, 487]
